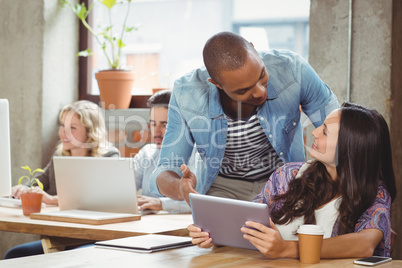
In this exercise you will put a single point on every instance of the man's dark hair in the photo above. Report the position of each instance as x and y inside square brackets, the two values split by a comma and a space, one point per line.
[225, 51]
[160, 98]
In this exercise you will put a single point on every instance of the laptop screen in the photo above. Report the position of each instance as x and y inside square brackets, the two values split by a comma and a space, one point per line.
[104, 184]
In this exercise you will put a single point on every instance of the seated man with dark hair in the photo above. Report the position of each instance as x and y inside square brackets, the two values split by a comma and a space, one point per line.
[145, 162]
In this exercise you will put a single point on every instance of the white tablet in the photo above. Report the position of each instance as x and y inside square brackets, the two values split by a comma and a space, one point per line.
[222, 218]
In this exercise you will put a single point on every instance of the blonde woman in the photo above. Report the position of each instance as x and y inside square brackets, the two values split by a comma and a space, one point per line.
[82, 132]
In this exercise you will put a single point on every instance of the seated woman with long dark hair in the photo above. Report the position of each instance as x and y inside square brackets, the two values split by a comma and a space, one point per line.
[347, 189]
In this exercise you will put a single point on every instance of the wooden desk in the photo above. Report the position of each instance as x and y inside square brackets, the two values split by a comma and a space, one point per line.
[12, 220]
[184, 257]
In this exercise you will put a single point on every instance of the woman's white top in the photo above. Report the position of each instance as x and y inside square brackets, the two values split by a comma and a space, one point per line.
[325, 217]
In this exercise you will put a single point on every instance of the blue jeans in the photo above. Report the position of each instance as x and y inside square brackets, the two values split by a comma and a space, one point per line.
[23, 250]
[32, 248]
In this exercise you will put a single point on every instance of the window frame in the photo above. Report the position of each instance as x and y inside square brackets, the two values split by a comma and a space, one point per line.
[85, 68]
[301, 24]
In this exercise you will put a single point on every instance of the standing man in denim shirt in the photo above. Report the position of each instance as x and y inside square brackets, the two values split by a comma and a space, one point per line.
[242, 113]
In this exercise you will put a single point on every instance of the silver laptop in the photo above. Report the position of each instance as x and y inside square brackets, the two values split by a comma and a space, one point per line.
[105, 184]
[222, 218]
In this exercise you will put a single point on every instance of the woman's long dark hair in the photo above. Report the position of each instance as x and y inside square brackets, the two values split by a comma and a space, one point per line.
[363, 159]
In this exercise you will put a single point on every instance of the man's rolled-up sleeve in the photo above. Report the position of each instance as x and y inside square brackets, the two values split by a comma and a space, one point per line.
[317, 99]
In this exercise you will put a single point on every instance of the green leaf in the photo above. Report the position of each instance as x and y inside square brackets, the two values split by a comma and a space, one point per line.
[120, 44]
[81, 11]
[77, 9]
[130, 29]
[107, 29]
[107, 37]
[38, 183]
[27, 168]
[104, 35]
[23, 177]
[85, 53]
[108, 3]
[37, 170]
[133, 28]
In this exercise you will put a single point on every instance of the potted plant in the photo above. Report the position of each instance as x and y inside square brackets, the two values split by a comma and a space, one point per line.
[115, 84]
[31, 201]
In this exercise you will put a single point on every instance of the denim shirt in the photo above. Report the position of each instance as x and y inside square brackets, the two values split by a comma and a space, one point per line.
[196, 116]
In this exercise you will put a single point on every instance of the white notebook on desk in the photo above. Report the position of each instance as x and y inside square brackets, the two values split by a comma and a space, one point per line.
[146, 243]
[85, 217]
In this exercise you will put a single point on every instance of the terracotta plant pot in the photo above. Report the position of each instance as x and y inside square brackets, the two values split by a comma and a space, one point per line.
[154, 90]
[31, 203]
[115, 88]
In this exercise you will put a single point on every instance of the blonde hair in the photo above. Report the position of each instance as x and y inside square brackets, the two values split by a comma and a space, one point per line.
[92, 119]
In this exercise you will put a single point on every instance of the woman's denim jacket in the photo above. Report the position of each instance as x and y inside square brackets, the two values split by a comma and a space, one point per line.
[196, 116]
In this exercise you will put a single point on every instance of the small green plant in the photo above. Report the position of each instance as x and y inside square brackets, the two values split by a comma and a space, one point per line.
[106, 38]
[32, 180]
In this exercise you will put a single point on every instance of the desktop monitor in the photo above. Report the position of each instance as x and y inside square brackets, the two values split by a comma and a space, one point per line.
[5, 158]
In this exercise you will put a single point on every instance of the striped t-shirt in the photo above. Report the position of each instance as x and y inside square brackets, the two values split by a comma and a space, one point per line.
[248, 153]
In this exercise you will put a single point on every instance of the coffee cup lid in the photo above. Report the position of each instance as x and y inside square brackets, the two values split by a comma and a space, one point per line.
[310, 229]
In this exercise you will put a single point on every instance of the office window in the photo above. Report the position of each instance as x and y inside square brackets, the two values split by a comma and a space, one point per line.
[172, 34]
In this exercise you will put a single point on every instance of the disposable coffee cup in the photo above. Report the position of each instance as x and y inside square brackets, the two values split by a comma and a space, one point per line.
[310, 243]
